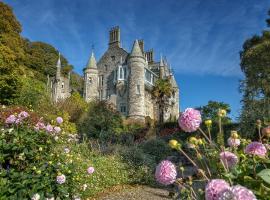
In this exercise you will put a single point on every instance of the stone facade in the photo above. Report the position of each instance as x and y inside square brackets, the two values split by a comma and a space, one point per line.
[127, 79]
[124, 79]
[59, 86]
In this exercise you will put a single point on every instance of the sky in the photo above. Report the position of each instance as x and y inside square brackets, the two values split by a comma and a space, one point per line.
[200, 38]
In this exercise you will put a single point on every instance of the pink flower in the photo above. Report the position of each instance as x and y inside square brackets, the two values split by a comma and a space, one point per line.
[11, 119]
[90, 170]
[49, 128]
[23, 115]
[233, 142]
[39, 126]
[61, 179]
[166, 172]
[190, 120]
[57, 129]
[229, 159]
[59, 120]
[237, 192]
[242, 193]
[256, 148]
[215, 188]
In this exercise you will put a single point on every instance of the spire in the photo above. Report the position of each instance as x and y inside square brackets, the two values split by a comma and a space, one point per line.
[136, 50]
[92, 61]
[161, 64]
[146, 60]
[58, 67]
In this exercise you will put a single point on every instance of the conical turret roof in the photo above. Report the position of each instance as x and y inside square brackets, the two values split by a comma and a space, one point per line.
[92, 61]
[136, 50]
[161, 61]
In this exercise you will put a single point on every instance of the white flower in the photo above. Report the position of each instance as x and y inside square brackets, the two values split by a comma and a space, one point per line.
[36, 197]
[84, 187]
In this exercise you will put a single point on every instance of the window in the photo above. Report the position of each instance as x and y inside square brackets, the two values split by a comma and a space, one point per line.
[113, 58]
[63, 84]
[138, 89]
[100, 94]
[101, 80]
[106, 67]
[90, 80]
[123, 108]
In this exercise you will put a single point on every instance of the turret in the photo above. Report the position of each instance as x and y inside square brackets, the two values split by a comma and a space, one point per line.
[58, 68]
[90, 79]
[136, 63]
[161, 68]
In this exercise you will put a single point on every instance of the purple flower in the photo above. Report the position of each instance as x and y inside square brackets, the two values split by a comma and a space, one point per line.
[61, 179]
[233, 142]
[23, 115]
[90, 170]
[237, 192]
[57, 129]
[215, 188]
[59, 120]
[49, 128]
[190, 120]
[11, 119]
[166, 172]
[242, 193]
[229, 159]
[39, 126]
[256, 148]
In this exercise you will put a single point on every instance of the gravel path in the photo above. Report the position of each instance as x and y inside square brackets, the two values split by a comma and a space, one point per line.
[139, 192]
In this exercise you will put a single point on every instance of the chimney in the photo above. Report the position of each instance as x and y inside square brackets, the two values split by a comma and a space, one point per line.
[150, 55]
[141, 44]
[114, 39]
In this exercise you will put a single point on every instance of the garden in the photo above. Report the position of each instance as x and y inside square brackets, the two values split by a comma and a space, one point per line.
[77, 150]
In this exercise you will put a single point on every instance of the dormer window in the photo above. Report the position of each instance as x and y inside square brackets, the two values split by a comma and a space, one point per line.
[90, 80]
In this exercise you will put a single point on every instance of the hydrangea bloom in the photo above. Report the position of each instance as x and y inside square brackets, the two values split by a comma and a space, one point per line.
[90, 170]
[59, 120]
[190, 120]
[57, 129]
[256, 148]
[36, 197]
[49, 128]
[61, 179]
[11, 119]
[166, 172]
[233, 142]
[23, 115]
[229, 159]
[215, 188]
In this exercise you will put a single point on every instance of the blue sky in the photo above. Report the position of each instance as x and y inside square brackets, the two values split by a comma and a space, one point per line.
[200, 38]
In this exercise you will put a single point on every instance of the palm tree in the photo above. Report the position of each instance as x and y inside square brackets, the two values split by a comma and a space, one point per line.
[162, 91]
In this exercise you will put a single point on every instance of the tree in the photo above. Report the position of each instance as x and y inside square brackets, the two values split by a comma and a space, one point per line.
[255, 64]
[210, 111]
[162, 91]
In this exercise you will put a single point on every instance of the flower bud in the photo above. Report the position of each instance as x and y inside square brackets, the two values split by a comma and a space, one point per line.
[208, 123]
[266, 132]
[193, 140]
[258, 122]
[174, 144]
[234, 135]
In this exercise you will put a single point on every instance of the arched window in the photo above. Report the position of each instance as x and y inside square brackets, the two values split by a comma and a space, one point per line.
[121, 73]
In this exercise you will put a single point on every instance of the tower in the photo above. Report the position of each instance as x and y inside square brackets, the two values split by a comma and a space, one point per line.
[136, 63]
[91, 79]
[161, 68]
[56, 89]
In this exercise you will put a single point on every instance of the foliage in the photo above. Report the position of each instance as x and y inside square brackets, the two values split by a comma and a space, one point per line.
[162, 91]
[246, 168]
[75, 106]
[210, 111]
[100, 118]
[255, 59]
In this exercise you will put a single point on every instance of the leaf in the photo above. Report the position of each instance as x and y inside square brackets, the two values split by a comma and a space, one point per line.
[265, 175]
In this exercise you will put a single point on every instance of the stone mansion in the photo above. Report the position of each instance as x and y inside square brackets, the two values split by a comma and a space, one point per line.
[123, 78]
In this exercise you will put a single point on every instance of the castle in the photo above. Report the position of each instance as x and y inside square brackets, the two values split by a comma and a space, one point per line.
[125, 79]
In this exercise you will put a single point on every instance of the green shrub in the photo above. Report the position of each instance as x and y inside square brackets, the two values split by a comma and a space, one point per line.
[101, 117]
